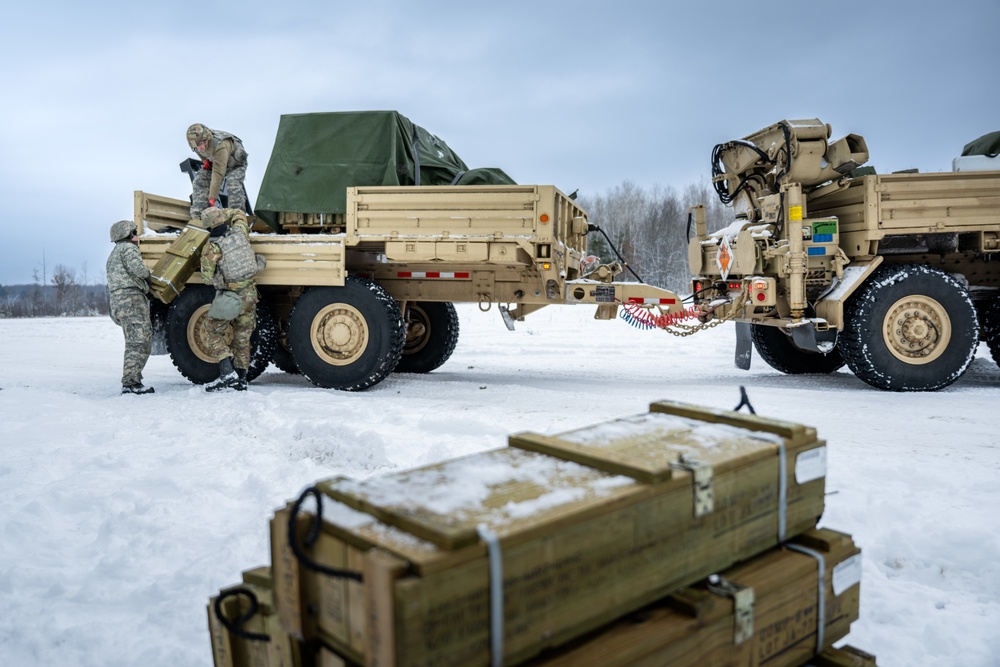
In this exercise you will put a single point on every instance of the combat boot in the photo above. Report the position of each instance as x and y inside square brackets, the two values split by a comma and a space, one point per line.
[228, 379]
[137, 388]
[241, 373]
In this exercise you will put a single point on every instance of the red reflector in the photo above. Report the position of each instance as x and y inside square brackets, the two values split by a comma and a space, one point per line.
[761, 296]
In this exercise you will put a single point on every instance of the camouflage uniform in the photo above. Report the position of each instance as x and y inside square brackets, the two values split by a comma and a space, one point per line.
[224, 259]
[128, 287]
[228, 163]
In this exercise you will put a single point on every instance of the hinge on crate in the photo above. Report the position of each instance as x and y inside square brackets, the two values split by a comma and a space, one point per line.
[701, 479]
[743, 599]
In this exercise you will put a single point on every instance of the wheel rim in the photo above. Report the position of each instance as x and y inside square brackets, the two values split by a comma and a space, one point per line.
[197, 340]
[917, 330]
[417, 331]
[339, 334]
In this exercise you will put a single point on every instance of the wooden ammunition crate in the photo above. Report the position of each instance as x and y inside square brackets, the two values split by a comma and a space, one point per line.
[178, 263]
[590, 525]
[231, 650]
[699, 626]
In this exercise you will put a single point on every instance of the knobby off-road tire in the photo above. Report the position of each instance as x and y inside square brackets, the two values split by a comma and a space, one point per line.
[348, 337]
[431, 336]
[185, 334]
[991, 328]
[909, 328]
[776, 348]
[158, 319]
[283, 360]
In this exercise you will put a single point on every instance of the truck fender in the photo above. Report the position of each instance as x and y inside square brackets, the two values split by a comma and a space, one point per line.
[830, 305]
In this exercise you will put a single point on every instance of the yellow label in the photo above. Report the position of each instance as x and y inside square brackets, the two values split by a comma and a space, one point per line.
[795, 213]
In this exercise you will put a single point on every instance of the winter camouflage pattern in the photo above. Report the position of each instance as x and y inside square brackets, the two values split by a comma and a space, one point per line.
[233, 186]
[217, 331]
[129, 307]
[223, 260]
[228, 178]
[231, 255]
[125, 269]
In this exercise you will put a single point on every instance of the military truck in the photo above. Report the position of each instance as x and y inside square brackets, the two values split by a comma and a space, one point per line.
[372, 229]
[828, 263]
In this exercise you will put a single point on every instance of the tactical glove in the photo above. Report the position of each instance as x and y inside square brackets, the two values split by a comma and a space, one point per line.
[206, 165]
[215, 203]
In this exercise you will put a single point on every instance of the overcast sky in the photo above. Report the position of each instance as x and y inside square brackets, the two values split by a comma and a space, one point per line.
[97, 96]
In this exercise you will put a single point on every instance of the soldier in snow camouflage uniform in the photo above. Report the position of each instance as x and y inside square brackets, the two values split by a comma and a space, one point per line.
[224, 160]
[128, 284]
[228, 262]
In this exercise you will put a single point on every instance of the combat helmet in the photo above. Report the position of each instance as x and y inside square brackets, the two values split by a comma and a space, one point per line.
[196, 134]
[121, 230]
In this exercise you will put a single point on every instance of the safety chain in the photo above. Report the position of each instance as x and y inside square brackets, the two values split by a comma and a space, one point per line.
[687, 330]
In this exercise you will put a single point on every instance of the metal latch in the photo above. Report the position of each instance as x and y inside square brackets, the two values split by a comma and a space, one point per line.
[743, 601]
[701, 478]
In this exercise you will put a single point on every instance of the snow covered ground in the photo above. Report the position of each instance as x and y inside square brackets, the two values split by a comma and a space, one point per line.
[121, 515]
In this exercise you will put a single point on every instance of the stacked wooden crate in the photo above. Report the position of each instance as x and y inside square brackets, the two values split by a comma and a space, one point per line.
[538, 551]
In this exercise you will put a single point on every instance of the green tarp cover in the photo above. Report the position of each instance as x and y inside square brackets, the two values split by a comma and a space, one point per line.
[988, 144]
[317, 156]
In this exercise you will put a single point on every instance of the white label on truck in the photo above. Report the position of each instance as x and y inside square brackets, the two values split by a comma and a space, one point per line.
[810, 465]
[846, 574]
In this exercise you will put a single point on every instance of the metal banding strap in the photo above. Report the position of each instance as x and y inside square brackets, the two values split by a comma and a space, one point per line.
[821, 595]
[496, 594]
[782, 492]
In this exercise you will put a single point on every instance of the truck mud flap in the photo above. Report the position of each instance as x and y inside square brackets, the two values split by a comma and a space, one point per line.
[744, 346]
[807, 338]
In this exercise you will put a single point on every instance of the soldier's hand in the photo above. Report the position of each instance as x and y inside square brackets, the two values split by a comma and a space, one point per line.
[206, 165]
[214, 203]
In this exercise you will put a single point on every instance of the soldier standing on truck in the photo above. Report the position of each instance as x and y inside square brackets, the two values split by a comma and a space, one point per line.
[224, 161]
[128, 285]
[228, 262]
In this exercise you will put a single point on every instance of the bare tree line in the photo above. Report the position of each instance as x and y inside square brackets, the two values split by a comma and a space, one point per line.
[68, 294]
[649, 228]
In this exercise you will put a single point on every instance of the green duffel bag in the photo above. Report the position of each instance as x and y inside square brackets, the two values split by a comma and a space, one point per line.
[225, 306]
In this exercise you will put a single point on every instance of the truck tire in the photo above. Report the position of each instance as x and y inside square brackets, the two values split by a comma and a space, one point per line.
[348, 337]
[158, 319]
[283, 360]
[431, 336]
[186, 338]
[909, 328]
[776, 348]
[991, 328]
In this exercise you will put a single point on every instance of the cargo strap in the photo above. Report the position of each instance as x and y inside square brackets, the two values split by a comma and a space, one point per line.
[782, 492]
[821, 594]
[496, 594]
[743, 601]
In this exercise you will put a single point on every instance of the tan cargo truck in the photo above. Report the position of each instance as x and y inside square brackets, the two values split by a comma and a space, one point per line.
[827, 263]
[352, 298]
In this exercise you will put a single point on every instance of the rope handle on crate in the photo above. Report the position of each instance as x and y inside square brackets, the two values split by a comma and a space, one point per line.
[236, 626]
[311, 536]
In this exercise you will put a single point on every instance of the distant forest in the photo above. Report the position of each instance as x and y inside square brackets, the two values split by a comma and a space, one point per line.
[647, 228]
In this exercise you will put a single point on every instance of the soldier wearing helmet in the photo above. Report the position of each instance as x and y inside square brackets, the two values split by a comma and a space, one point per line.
[224, 163]
[128, 285]
[229, 263]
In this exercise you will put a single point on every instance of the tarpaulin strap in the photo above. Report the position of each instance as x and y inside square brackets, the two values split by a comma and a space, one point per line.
[496, 595]
[416, 156]
[457, 176]
[821, 595]
[782, 492]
